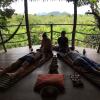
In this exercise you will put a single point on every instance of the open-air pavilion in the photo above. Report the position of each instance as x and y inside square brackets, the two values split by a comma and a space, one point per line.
[23, 90]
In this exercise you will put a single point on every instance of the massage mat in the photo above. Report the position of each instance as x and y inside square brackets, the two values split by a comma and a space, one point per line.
[89, 75]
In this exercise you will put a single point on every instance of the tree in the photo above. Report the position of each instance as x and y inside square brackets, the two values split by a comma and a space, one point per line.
[27, 24]
[5, 12]
[76, 3]
[95, 11]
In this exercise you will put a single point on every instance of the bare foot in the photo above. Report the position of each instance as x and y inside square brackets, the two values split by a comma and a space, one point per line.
[12, 75]
[98, 68]
[41, 60]
[1, 72]
[1, 68]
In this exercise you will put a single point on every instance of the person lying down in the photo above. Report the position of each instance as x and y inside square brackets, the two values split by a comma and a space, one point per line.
[21, 64]
[81, 60]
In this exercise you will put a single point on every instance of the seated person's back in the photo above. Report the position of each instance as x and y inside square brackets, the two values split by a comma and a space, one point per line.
[63, 42]
[46, 45]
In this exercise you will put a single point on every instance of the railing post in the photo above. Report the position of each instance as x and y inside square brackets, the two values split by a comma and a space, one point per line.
[98, 50]
[51, 26]
[75, 23]
[3, 42]
[27, 24]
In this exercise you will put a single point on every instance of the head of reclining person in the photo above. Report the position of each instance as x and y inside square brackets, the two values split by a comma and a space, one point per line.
[49, 93]
[53, 69]
[73, 55]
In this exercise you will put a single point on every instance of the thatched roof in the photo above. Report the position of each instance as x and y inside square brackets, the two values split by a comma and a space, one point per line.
[80, 2]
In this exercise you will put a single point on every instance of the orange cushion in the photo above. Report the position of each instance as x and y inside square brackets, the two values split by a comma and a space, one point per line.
[43, 80]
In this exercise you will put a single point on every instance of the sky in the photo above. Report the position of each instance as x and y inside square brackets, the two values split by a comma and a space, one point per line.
[39, 7]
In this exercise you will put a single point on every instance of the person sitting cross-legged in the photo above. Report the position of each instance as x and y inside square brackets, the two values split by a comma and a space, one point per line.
[46, 47]
[63, 43]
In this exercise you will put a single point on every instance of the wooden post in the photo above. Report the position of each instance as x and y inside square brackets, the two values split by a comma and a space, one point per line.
[98, 50]
[74, 26]
[27, 24]
[51, 32]
[3, 42]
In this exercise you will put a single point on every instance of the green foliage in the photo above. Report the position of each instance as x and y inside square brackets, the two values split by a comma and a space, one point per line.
[5, 19]
[36, 30]
[5, 3]
[5, 13]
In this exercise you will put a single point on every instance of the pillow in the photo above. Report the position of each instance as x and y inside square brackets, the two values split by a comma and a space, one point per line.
[56, 80]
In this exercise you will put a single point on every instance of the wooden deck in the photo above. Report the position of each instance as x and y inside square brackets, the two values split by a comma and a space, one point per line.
[13, 54]
[23, 90]
[90, 53]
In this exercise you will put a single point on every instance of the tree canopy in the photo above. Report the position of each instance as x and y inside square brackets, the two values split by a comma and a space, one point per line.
[5, 12]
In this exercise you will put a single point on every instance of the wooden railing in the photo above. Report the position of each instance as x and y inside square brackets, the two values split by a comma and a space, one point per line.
[51, 32]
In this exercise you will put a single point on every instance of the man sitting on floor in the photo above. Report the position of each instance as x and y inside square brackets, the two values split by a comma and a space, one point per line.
[63, 43]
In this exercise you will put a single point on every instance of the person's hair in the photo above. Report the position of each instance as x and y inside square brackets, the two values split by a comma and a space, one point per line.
[44, 34]
[50, 92]
[63, 32]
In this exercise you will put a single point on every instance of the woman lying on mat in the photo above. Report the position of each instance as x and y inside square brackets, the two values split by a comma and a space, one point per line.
[21, 64]
[83, 61]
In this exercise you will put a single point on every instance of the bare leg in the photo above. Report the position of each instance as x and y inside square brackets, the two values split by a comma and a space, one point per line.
[11, 68]
[1, 68]
[13, 75]
[20, 70]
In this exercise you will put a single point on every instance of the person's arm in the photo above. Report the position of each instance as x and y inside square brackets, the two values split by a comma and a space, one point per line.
[37, 55]
[11, 67]
[58, 40]
[69, 58]
[50, 44]
[67, 42]
[41, 44]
